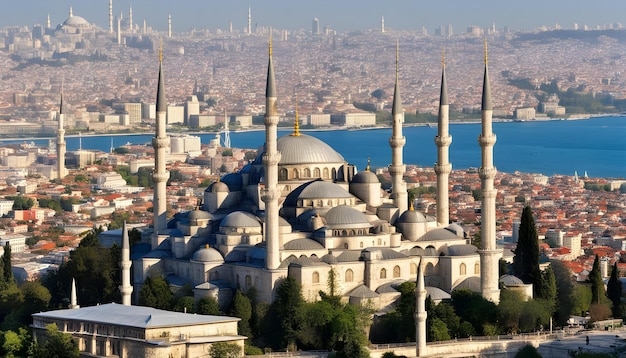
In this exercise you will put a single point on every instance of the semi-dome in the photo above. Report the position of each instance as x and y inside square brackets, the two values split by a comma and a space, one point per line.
[207, 254]
[346, 217]
[304, 149]
[317, 189]
[365, 177]
[240, 219]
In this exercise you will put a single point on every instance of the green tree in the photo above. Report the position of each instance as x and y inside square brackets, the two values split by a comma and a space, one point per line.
[528, 351]
[81, 178]
[439, 331]
[16, 344]
[208, 305]
[564, 292]
[34, 298]
[224, 350]
[581, 299]
[185, 304]
[378, 93]
[526, 259]
[547, 288]
[595, 278]
[242, 308]
[285, 314]
[473, 308]
[510, 310]
[8, 278]
[56, 344]
[22, 203]
[614, 292]
[156, 293]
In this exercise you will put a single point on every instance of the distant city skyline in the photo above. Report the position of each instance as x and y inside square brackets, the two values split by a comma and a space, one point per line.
[344, 15]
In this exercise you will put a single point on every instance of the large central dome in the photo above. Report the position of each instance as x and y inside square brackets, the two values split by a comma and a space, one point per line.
[304, 149]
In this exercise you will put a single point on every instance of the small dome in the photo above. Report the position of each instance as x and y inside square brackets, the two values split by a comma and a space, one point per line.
[207, 254]
[456, 229]
[346, 217]
[412, 217]
[303, 245]
[199, 215]
[219, 187]
[365, 177]
[241, 219]
[329, 259]
[510, 280]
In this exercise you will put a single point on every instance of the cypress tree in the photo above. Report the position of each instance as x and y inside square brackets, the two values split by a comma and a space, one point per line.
[614, 292]
[526, 260]
[6, 265]
[597, 286]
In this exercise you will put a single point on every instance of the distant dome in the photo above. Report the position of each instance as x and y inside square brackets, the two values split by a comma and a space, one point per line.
[240, 219]
[412, 217]
[207, 254]
[346, 217]
[199, 215]
[218, 187]
[456, 229]
[317, 189]
[365, 177]
[510, 280]
[304, 149]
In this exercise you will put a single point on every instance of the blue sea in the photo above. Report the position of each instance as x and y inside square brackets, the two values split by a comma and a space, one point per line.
[596, 145]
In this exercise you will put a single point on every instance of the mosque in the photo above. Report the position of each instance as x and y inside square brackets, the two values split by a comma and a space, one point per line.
[301, 210]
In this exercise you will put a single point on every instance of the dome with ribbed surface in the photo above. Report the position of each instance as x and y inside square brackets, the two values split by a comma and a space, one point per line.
[365, 177]
[412, 217]
[304, 149]
[346, 217]
[199, 215]
[317, 189]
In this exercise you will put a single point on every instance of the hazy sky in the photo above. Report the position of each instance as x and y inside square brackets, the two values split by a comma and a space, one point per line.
[342, 15]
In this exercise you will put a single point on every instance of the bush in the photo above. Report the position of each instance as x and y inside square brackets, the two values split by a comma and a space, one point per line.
[253, 351]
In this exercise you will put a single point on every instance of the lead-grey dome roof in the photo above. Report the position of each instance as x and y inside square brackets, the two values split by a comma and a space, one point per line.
[462, 250]
[365, 177]
[207, 254]
[317, 189]
[240, 219]
[346, 217]
[510, 280]
[76, 21]
[303, 244]
[412, 217]
[304, 149]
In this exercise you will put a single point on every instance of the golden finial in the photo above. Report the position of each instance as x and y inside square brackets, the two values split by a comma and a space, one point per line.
[218, 179]
[486, 51]
[411, 206]
[270, 46]
[368, 164]
[296, 127]
[161, 51]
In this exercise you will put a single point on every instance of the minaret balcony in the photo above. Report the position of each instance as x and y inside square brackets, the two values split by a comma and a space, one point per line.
[487, 140]
[271, 158]
[443, 141]
[158, 143]
[270, 120]
[443, 168]
[397, 169]
[268, 194]
[160, 177]
[397, 142]
[487, 173]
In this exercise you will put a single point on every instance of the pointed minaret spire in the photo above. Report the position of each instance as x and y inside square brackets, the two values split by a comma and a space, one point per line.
[296, 125]
[73, 296]
[443, 141]
[489, 255]
[160, 175]
[271, 193]
[250, 22]
[420, 312]
[368, 168]
[126, 289]
[48, 22]
[71, 14]
[397, 141]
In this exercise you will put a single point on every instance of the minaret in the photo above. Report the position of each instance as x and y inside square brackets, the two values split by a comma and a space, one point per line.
[296, 125]
[443, 140]
[169, 26]
[145, 28]
[48, 22]
[226, 130]
[126, 289]
[61, 145]
[130, 20]
[110, 16]
[71, 13]
[160, 175]
[488, 253]
[119, 30]
[270, 193]
[420, 312]
[73, 300]
[382, 24]
[250, 21]
[397, 141]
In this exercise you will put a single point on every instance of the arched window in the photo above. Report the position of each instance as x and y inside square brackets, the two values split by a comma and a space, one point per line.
[316, 277]
[334, 173]
[462, 269]
[383, 273]
[316, 172]
[307, 172]
[248, 281]
[413, 268]
[283, 174]
[349, 275]
[361, 244]
[396, 271]
[345, 245]
[477, 268]
[325, 174]
[296, 175]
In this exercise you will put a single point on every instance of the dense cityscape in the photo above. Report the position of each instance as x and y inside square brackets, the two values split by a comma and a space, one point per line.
[182, 248]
